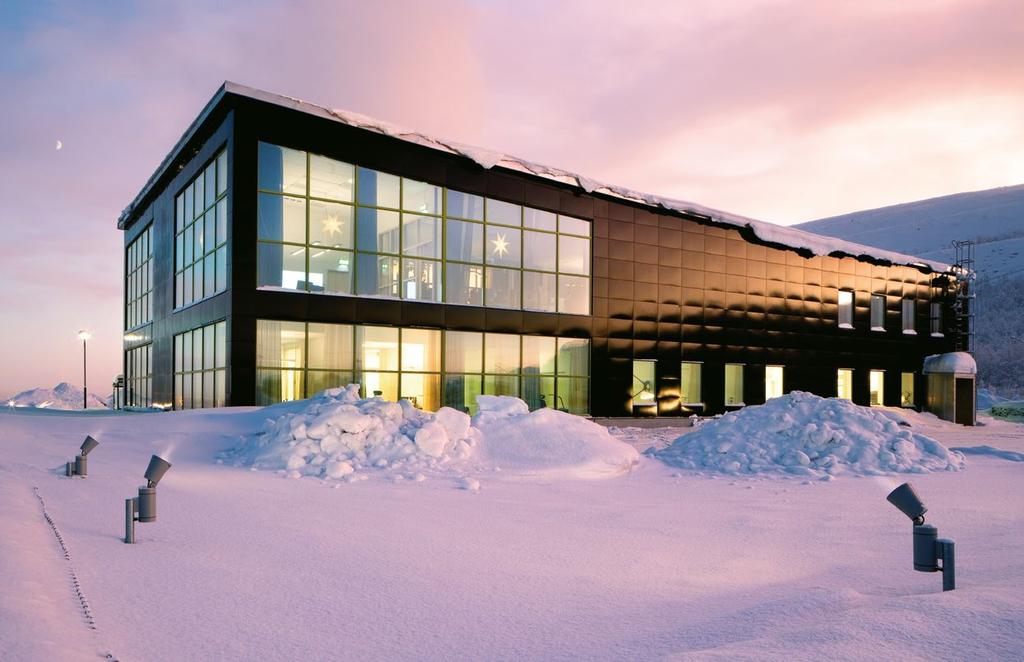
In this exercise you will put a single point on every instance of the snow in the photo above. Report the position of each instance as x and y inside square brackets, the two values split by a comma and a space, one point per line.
[657, 563]
[806, 435]
[960, 363]
[339, 436]
[62, 396]
[486, 158]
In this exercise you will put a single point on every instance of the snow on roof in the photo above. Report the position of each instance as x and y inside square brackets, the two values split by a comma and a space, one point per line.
[488, 159]
[960, 363]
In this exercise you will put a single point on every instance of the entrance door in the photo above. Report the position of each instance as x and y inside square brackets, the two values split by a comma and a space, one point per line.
[964, 414]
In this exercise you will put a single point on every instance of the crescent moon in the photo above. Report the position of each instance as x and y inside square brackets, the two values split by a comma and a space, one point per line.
[59, 144]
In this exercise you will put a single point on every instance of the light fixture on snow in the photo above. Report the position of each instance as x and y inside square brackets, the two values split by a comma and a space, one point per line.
[143, 507]
[80, 466]
[928, 548]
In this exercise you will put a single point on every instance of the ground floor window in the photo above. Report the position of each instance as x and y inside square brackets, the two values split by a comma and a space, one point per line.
[844, 384]
[734, 384]
[689, 384]
[907, 389]
[200, 367]
[643, 389]
[429, 367]
[773, 382]
[138, 381]
[877, 387]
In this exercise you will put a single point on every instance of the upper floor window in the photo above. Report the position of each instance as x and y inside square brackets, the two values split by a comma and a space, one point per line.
[878, 312]
[330, 227]
[200, 235]
[935, 310]
[138, 283]
[845, 309]
[908, 317]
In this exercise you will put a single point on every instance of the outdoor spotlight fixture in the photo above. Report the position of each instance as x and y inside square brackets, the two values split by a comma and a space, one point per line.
[80, 467]
[929, 549]
[143, 507]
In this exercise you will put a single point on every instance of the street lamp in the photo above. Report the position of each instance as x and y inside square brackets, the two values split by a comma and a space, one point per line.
[84, 335]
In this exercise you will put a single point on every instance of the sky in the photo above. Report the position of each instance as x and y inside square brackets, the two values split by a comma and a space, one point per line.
[781, 110]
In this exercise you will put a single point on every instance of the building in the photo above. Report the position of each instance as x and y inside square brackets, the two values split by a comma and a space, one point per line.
[281, 248]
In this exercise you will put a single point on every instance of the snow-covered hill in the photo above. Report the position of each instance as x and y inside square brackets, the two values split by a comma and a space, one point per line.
[61, 396]
[994, 218]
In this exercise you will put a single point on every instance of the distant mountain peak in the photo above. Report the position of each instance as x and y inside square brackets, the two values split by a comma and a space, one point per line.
[62, 396]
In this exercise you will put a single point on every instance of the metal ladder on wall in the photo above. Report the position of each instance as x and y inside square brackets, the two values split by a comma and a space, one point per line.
[963, 295]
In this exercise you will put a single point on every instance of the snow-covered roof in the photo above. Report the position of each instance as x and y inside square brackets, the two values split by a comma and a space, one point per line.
[488, 159]
[960, 363]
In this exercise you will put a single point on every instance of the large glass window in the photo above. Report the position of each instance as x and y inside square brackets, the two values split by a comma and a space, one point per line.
[878, 312]
[644, 389]
[201, 236]
[200, 367]
[733, 384]
[908, 317]
[139, 376]
[689, 384]
[296, 360]
[844, 384]
[876, 385]
[138, 281]
[845, 309]
[326, 226]
[773, 382]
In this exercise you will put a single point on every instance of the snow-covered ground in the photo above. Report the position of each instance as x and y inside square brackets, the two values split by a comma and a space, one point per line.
[61, 396]
[656, 562]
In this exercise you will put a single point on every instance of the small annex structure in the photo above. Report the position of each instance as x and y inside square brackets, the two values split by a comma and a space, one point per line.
[952, 391]
[283, 247]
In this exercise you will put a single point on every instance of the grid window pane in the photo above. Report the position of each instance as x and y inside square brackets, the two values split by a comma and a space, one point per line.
[502, 246]
[501, 353]
[421, 236]
[281, 218]
[465, 205]
[376, 348]
[334, 180]
[574, 295]
[574, 357]
[574, 255]
[421, 350]
[280, 344]
[321, 380]
[502, 288]
[282, 169]
[572, 225]
[330, 271]
[539, 291]
[330, 224]
[464, 284]
[379, 385]
[378, 189]
[330, 346]
[539, 355]
[505, 213]
[463, 351]
[421, 280]
[281, 265]
[574, 395]
[377, 275]
[421, 197]
[540, 251]
[460, 392]
[377, 231]
[539, 220]
[464, 241]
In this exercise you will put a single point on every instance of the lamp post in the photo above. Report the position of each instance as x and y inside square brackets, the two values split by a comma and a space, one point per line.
[84, 335]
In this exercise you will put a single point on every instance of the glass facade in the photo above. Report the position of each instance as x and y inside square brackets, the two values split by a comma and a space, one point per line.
[200, 367]
[429, 367]
[138, 280]
[138, 380]
[330, 227]
[200, 235]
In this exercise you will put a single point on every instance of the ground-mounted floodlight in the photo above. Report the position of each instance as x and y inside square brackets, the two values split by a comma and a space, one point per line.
[928, 548]
[143, 507]
[80, 466]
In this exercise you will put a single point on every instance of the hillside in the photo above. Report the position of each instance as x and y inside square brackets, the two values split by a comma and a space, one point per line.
[61, 396]
[994, 218]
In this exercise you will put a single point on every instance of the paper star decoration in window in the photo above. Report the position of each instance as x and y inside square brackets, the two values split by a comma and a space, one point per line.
[500, 245]
[332, 225]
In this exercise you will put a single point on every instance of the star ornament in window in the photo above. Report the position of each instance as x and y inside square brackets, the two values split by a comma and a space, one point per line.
[332, 225]
[500, 245]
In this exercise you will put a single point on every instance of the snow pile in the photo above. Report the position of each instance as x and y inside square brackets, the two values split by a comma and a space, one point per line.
[807, 435]
[338, 435]
[547, 442]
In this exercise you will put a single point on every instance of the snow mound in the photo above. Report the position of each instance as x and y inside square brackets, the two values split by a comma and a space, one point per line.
[63, 396]
[337, 435]
[803, 434]
[548, 442]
